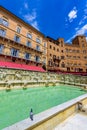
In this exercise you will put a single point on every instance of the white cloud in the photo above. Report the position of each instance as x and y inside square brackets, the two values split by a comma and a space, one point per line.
[76, 28]
[86, 38]
[79, 31]
[84, 17]
[70, 39]
[83, 20]
[72, 14]
[30, 17]
[35, 25]
[85, 10]
[82, 30]
[26, 5]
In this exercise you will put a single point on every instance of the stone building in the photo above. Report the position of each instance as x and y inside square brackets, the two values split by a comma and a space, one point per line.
[23, 44]
[20, 42]
[67, 57]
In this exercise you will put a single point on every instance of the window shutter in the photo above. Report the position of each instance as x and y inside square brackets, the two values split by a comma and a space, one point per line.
[17, 53]
[1, 48]
[4, 33]
[12, 51]
[0, 20]
[19, 39]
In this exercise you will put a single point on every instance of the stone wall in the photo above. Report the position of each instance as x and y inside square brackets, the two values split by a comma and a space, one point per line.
[13, 78]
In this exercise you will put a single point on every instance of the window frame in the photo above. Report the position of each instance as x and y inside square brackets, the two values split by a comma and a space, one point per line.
[1, 48]
[38, 40]
[15, 38]
[4, 22]
[27, 56]
[37, 47]
[18, 29]
[3, 33]
[29, 35]
[14, 52]
[28, 44]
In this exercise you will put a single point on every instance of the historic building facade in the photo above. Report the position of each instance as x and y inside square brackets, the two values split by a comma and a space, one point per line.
[55, 52]
[76, 55]
[22, 43]
[67, 57]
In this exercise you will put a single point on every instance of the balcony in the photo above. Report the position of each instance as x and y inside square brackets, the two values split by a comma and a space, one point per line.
[56, 59]
[31, 60]
[20, 44]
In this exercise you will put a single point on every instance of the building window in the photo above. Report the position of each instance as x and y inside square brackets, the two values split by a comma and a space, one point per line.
[29, 35]
[44, 44]
[28, 44]
[67, 50]
[38, 48]
[44, 61]
[61, 43]
[78, 51]
[4, 22]
[38, 40]
[62, 57]
[50, 46]
[49, 63]
[57, 49]
[82, 37]
[53, 48]
[70, 50]
[63, 65]
[75, 64]
[44, 51]
[85, 57]
[78, 57]
[83, 45]
[18, 29]
[73, 50]
[54, 56]
[1, 48]
[37, 58]
[27, 56]
[14, 52]
[17, 38]
[58, 57]
[84, 51]
[2, 32]
[74, 57]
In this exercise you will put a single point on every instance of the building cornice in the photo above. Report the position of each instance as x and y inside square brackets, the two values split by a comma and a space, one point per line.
[21, 20]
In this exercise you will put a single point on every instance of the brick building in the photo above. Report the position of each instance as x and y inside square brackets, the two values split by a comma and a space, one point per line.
[22, 43]
[67, 57]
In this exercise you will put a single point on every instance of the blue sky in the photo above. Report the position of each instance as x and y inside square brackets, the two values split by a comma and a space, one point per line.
[54, 18]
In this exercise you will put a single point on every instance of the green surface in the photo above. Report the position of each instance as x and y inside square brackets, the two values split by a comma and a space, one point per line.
[15, 105]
